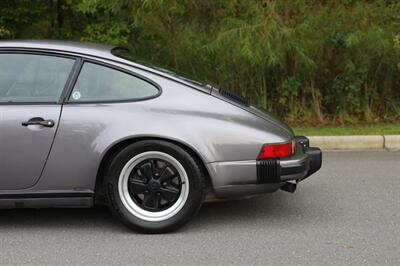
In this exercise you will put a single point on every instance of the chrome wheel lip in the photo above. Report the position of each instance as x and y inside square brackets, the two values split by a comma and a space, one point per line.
[136, 210]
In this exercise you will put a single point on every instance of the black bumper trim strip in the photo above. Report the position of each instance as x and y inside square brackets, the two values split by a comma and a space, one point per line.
[268, 171]
[45, 195]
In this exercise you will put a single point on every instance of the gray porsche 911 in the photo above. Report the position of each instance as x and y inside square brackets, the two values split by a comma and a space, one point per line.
[80, 126]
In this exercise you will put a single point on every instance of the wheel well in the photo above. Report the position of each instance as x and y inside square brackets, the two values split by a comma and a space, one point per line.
[114, 150]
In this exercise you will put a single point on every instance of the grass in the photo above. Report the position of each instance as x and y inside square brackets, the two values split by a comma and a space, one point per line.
[385, 129]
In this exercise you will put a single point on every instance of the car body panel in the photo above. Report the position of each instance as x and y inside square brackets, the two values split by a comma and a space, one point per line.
[225, 135]
[262, 114]
[24, 150]
[88, 131]
[237, 174]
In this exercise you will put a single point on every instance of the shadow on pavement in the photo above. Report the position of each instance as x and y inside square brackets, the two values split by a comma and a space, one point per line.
[273, 208]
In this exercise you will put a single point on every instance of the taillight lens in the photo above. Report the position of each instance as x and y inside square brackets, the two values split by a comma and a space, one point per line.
[270, 151]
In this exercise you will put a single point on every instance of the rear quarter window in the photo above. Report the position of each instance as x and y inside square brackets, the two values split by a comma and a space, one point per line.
[101, 83]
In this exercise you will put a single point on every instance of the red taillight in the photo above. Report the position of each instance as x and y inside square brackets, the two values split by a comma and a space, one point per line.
[270, 151]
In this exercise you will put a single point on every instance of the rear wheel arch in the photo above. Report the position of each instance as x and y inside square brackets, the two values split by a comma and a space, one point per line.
[119, 146]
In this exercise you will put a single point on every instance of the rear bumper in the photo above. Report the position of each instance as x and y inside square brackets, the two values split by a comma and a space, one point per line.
[243, 178]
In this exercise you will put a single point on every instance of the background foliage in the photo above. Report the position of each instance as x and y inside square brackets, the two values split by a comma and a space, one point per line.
[308, 61]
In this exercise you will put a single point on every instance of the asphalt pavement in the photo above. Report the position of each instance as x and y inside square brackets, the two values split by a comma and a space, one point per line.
[346, 214]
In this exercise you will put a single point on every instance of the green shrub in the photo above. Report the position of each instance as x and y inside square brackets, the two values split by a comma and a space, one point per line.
[310, 62]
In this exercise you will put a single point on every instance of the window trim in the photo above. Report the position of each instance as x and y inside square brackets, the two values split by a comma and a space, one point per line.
[80, 59]
[114, 67]
[40, 53]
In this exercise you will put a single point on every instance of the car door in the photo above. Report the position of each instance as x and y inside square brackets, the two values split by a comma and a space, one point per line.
[30, 89]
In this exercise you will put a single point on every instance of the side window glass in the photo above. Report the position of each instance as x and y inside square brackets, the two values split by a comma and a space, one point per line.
[33, 78]
[100, 83]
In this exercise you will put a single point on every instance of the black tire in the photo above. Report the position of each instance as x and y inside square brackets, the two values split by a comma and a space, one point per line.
[194, 172]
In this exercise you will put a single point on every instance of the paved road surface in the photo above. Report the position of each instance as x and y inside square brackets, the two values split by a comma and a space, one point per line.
[348, 213]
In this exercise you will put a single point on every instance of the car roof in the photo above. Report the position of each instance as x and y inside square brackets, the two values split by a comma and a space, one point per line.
[89, 49]
[62, 46]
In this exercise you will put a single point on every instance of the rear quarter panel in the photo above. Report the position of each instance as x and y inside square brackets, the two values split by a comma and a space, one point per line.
[217, 131]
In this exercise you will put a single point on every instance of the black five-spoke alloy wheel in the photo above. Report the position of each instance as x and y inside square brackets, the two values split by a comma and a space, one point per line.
[155, 184]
